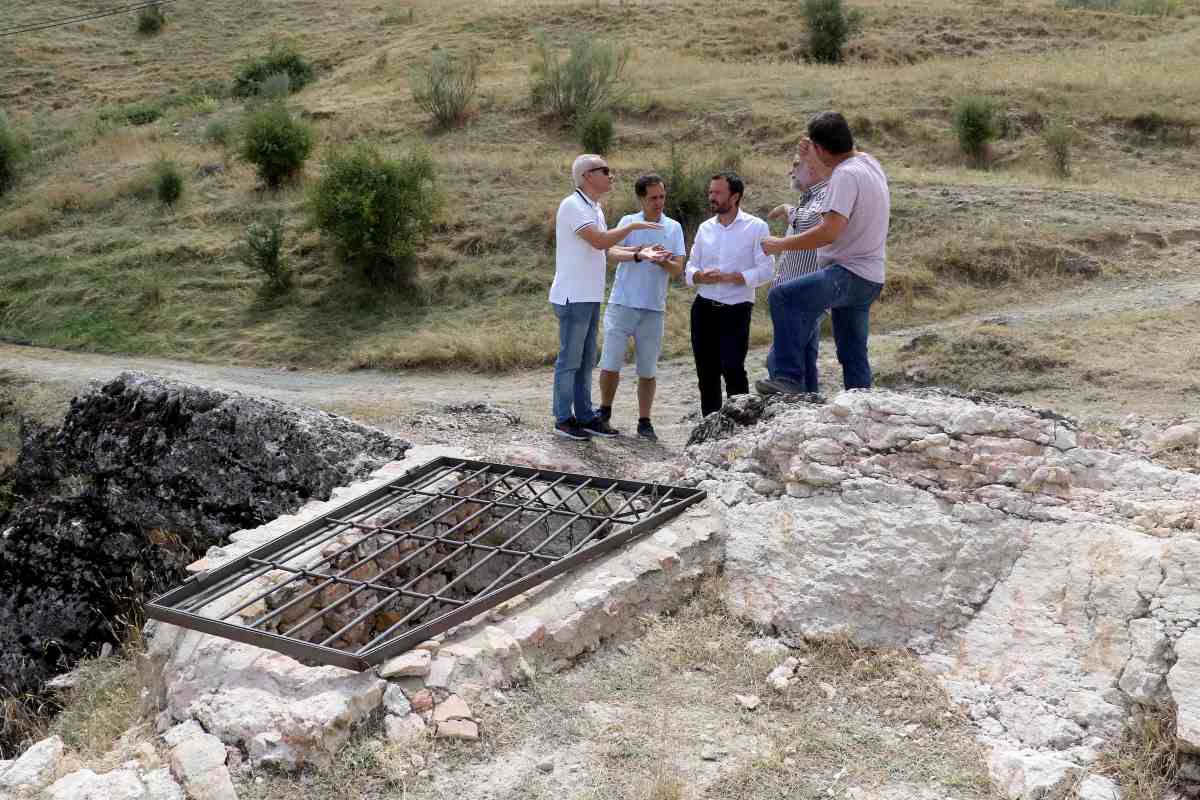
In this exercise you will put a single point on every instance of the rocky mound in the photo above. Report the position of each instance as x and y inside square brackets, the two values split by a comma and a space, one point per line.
[143, 476]
[1050, 583]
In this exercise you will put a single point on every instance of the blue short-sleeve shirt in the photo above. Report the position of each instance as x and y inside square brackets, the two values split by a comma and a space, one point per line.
[642, 284]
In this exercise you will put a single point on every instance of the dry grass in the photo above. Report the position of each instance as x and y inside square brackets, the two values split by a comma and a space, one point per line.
[1146, 762]
[103, 705]
[131, 277]
[632, 722]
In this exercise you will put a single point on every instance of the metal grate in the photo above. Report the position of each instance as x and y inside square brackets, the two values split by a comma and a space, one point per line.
[418, 555]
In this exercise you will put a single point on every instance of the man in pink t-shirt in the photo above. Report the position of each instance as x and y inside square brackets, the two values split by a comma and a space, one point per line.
[851, 246]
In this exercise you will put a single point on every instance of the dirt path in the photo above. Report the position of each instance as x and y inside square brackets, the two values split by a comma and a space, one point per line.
[416, 403]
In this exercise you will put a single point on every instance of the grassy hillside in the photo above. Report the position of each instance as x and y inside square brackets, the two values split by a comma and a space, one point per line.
[89, 260]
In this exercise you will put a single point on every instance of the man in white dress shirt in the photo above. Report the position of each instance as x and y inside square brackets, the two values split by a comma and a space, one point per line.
[583, 246]
[726, 263]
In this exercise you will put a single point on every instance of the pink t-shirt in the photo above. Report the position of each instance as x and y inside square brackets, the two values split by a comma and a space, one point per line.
[858, 190]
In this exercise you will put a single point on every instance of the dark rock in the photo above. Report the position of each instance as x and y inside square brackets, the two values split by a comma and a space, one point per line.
[743, 410]
[143, 476]
[207, 170]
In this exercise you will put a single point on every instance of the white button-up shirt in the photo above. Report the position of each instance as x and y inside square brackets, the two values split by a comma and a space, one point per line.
[736, 247]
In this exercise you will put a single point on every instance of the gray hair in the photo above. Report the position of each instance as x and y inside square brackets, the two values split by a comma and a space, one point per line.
[582, 165]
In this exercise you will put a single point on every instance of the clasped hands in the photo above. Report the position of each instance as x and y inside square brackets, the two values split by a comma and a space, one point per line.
[715, 275]
[655, 254]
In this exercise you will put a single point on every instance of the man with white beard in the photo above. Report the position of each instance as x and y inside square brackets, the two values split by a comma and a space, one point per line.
[810, 177]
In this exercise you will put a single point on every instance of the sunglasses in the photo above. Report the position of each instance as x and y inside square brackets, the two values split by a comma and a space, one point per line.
[605, 170]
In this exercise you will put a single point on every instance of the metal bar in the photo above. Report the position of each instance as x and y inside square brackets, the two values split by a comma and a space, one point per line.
[419, 486]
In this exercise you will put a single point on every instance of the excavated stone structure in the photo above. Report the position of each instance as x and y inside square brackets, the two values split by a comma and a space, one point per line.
[1050, 584]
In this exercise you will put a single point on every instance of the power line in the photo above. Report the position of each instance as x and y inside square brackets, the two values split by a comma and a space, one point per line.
[58, 23]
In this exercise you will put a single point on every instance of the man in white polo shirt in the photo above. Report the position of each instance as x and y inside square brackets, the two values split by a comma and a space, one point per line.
[638, 302]
[852, 238]
[583, 245]
[726, 263]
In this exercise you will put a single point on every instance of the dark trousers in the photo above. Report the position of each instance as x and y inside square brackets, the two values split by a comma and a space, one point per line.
[720, 339]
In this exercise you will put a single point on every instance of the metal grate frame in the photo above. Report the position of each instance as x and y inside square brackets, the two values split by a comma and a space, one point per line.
[426, 551]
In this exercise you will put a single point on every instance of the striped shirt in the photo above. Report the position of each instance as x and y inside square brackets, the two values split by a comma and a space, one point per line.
[803, 217]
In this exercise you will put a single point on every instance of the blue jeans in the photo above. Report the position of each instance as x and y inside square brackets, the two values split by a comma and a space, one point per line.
[577, 323]
[796, 308]
[811, 382]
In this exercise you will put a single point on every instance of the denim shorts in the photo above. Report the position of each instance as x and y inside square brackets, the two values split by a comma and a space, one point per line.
[646, 328]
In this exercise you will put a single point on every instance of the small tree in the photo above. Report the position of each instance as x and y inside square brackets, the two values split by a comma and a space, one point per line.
[596, 132]
[377, 211]
[150, 20]
[830, 26]
[687, 185]
[444, 87]
[168, 182]
[275, 143]
[263, 253]
[12, 152]
[975, 123]
[283, 57]
[1058, 139]
[590, 80]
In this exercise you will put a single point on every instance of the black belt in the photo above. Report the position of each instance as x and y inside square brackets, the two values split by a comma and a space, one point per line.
[719, 304]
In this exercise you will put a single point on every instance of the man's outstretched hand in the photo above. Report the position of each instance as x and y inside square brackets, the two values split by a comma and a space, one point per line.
[772, 245]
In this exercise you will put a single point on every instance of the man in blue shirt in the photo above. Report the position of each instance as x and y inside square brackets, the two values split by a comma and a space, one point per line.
[638, 302]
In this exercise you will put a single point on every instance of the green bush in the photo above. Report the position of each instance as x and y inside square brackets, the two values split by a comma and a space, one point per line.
[12, 152]
[150, 20]
[284, 58]
[444, 87]
[217, 131]
[142, 113]
[1058, 139]
[274, 87]
[168, 182]
[377, 211]
[830, 26]
[590, 79]
[1091, 5]
[1157, 8]
[687, 185]
[275, 143]
[263, 252]
[975, 124]
[596, 132]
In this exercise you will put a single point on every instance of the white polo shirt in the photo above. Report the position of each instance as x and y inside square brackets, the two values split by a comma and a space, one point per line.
[579, 268]
[736, 247]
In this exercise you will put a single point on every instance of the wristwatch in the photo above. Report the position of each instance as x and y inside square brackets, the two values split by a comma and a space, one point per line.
[637, 255]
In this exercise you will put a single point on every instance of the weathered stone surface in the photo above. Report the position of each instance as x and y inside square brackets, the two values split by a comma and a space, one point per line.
[395, 701]
[160, 785]
[283, 713]
[403, 730]
[1184, 682]
[781, 676]
[453, 707]
[35, 768]
[1050, 584]
[1098, 787]
[199, 764]
[143, 476]
[120, 784]
[457, 729]
[414, 663]
[747, 701]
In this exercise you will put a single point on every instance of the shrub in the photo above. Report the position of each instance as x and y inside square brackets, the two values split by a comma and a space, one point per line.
[588, 81]
[1058, 139]
[150, 20]
[975, 123]
[1157, 8]
[12, 152]
[217, 131]
[275, 143]
[284, 58]
[262, 252]
[133, 114]
[276, 86]
[1091, 5]
[444, 87]
[596, 132]
[168, 182]
[687, 185]
[377, 211]
[830, 25]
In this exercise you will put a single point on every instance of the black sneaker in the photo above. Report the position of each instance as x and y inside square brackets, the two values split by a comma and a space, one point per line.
[646, 430]
[778, 386]
[571, 430]
[606, 413]
[598, 427]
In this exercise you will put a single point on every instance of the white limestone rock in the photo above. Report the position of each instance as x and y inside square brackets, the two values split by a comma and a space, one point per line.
[1030, 775]
[1184, 682]
[160, 785]
[1098, 787]
[284, 713]
[120, 784]
[199, 764]
[35, 768]
[404, 730]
